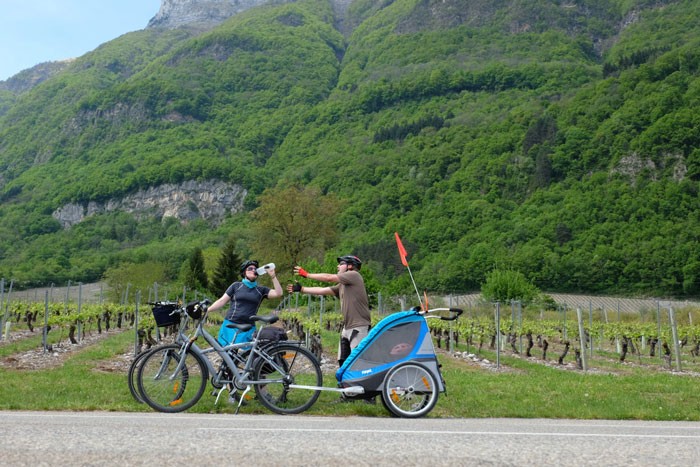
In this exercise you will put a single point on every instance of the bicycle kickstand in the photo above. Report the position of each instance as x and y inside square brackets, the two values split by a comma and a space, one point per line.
[242, 398]
[218, 394]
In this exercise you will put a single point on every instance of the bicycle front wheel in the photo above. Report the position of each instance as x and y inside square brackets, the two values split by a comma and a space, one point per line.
[133, 374]
[288, 365]
[169, 386]
[410, 390]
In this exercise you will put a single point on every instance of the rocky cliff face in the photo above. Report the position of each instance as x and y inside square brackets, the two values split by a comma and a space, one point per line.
[201, 13]
[205, 14]
[210, 200]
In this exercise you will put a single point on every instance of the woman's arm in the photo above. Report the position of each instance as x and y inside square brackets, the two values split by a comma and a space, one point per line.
[277, 292]
[223, 300]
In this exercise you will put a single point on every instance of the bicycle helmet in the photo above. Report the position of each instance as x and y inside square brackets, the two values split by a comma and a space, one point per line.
[351, 259]
[250, 262]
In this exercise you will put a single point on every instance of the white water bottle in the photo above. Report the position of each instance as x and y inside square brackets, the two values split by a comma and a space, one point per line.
[263, 269]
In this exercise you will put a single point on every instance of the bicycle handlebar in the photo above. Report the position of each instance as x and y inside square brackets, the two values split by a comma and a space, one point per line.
[455, 312]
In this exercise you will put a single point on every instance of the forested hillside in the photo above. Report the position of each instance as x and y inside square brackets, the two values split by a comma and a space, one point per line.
[560, 139]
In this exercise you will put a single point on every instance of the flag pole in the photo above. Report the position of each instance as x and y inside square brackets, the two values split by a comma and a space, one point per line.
[403, 254]
[414, 285]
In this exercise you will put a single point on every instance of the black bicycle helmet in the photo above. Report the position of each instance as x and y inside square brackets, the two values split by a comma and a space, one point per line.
[250, 262]
[351, 259]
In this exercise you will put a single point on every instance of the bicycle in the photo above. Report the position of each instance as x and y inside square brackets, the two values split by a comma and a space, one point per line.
[286, 376]
[165, 316]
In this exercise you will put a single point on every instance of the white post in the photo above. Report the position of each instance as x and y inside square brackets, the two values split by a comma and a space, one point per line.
[582, 339]
[674, 333]
[498, 334]
[452, 334]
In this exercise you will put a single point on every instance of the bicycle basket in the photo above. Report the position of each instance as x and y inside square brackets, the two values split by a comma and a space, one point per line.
[162, 314]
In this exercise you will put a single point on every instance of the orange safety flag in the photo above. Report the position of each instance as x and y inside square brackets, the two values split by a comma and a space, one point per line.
[402, 250]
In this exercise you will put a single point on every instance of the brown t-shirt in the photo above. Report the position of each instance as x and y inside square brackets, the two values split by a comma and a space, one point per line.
[353, 299]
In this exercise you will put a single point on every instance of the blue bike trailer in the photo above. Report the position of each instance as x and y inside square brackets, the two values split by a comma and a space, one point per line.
[400, 337]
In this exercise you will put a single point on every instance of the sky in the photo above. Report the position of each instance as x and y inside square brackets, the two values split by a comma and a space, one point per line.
[36, 31]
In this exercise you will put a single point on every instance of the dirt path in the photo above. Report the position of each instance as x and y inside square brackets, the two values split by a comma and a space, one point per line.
[38, 359]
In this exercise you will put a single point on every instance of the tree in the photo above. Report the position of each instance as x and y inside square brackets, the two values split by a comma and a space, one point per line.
[195, 275]
[507, 285]
[227, 269]
[691, 277]
[135, 276]
[294, 223]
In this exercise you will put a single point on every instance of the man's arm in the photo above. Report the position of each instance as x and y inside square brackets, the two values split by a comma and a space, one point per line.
[323, 277]
[310, 290]
[317, 276]
[317, 290]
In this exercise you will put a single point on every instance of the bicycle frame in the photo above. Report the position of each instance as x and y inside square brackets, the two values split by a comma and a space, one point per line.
[240, 377]
[187, 341]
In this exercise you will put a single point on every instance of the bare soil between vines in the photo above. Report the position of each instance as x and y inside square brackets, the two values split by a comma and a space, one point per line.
[57, 354]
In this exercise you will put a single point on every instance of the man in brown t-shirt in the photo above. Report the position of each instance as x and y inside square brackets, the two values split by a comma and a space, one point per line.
[354, 304]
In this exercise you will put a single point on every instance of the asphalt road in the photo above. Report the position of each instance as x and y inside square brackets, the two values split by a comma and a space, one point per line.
[112, 438]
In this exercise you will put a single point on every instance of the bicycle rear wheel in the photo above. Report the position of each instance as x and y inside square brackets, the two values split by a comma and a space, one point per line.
[288, 364]
[167, 386]
[410, 390]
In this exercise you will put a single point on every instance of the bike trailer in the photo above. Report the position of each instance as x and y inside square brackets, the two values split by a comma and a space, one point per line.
[400, 337]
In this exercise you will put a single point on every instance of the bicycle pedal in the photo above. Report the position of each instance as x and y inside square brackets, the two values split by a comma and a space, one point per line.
[236, 401]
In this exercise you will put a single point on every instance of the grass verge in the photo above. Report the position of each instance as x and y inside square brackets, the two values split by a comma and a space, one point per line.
[521, 389]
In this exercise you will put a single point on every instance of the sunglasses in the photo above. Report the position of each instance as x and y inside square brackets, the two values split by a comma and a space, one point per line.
[251, 268]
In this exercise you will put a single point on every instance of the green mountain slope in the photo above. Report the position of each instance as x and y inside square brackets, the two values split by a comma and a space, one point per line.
[556, 138]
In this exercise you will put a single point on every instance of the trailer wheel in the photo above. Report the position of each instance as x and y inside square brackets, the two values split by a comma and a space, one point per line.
[410, 390]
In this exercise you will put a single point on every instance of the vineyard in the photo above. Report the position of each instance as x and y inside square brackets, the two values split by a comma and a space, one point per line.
[584, 339]
[61, 325]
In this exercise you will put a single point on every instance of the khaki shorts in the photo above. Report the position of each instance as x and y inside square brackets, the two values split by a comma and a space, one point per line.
[354, 335]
